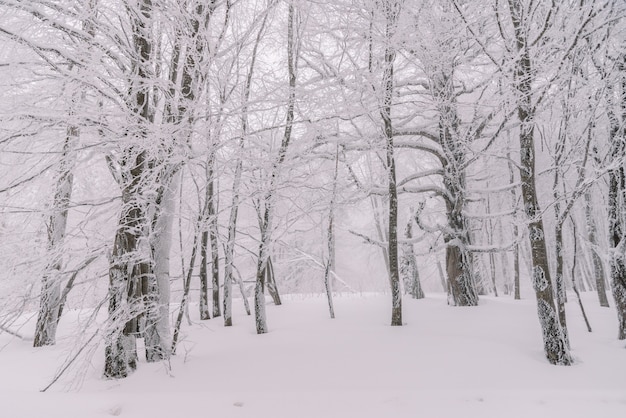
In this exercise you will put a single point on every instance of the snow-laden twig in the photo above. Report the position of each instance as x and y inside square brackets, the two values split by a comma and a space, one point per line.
[321, 265]
[14, 333]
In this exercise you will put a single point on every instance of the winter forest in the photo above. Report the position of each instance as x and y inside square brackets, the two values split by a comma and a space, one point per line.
[173, 169]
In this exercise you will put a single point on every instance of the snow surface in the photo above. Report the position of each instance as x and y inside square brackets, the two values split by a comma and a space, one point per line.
[484, 361]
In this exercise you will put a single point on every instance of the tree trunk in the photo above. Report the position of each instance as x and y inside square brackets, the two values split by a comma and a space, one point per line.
[598, 266]
[408, 265]
[125, 273]
[265, 223]
[204, 281]
[442, 278]
[617, 197]
[259, 291]
[555, 346]
[270, 280]
[131, 261]
[234, 208]
[392, 11]
[459, 260]
[617, 188]
[330, 240]
[229, 252]
[574, 286]
[51, 300]
[48, 316]
[492, 257]
[516, 248]
[560, 280]
[186, 289]
[215, 256]
[209, 237]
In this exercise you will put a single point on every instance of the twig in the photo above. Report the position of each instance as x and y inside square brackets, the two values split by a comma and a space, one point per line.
[69, 363]
[13, 333]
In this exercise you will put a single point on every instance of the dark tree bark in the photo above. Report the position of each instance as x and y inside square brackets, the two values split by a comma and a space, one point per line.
[209, 237]
[129, 266]
[126, 271]
[555, 346]
[617, 195]
[391, 9]
[215, 257]
[459, 260]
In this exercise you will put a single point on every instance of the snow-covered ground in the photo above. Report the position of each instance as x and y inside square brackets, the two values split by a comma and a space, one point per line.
[485, 361]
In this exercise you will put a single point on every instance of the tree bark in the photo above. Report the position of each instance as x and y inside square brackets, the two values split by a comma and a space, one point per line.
[596, 261]
[128, 267]
[204, 281]
[392, 11]
[234, 208]
[52, 300]
[48, 316]
[409, 269]
[459, 260]
[555, 346]
[617, 197]
[265, 222]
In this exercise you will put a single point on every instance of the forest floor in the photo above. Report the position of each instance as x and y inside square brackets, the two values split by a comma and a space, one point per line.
[485, 361]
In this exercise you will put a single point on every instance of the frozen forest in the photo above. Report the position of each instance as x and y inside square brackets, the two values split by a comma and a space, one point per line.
[431, 190]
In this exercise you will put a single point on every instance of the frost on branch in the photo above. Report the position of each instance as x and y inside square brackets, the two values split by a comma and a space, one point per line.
[540, 283]
[535, 233]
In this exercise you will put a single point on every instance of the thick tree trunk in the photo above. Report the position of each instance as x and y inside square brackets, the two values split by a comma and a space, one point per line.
[125, 272]
[47, 318]
[460, 282]
[555, 346]
[617, 197]
[133, 286]
[617, 242]
[459, 260]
